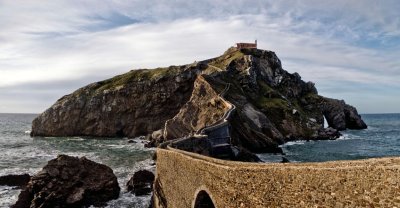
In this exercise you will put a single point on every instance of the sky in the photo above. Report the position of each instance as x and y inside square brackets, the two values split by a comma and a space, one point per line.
[49, 48]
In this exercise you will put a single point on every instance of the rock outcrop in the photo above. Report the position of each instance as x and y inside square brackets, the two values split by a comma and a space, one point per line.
[340, 115]
[70, 182]
[131, 105]
[141, 182]
[204, 108]
[15, 180]
[273, 106]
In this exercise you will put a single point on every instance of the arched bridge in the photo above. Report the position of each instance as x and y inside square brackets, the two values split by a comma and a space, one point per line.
[186, 177]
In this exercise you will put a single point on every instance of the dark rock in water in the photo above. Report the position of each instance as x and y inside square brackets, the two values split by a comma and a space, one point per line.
[285, 160]
[244, 155]
[328, 134]
[70, 182]
[15, 180]
[141, 183]
[341, 115]
[154, 156]
[24, 199]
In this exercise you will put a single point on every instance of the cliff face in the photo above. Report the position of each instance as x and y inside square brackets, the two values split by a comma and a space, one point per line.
[273, 106]
[131, 104]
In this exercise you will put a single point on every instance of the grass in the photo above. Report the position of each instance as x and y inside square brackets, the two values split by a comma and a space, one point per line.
[272, 103]
[126, 78]
[136, 75]
[223, 61]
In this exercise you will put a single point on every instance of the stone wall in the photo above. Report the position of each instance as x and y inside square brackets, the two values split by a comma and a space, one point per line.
[366, 183]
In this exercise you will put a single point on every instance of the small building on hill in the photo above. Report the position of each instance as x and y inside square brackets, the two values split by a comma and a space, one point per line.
[246, 45]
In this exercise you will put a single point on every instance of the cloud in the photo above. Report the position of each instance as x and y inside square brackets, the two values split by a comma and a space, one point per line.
[74, 43]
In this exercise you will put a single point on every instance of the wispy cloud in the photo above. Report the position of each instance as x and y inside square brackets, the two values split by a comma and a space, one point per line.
[352, 43]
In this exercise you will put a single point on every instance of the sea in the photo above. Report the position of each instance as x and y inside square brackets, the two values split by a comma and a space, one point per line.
[19, 153]
[380, 139]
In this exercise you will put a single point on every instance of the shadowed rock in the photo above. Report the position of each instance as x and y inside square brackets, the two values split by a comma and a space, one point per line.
[70, 182]
[241, 154]
[328, 134]
[141, 182]
[285, 160]
[340, 115]
[15, 180]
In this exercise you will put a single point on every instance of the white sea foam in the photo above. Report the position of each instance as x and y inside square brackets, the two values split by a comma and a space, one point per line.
[8, 196]
[344, 137]
[116, 146]
[8, 171]
[76, 139]
[127, 199]
[299, 142]
[28, 132]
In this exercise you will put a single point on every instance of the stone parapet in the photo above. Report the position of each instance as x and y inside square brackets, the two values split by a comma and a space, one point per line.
[365, 183]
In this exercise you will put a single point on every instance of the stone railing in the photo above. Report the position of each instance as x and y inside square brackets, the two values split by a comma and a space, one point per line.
[186, 179]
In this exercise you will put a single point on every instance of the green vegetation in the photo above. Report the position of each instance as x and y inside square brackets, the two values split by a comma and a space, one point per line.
[137, 75]
[272, 103]
[223, 61]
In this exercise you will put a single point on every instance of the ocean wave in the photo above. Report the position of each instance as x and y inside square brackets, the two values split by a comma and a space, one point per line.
[8, 196]
[76, 139]
[344, 137]
[9, 171]
[128, 199]
[298, 142]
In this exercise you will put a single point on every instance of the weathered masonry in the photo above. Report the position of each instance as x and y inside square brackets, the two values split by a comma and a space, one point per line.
[186, 179]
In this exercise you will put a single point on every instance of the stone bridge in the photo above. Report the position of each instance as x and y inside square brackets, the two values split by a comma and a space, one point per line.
[188, 179]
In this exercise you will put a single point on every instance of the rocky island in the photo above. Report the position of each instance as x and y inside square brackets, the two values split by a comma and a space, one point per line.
[207, 117]
[273, 106]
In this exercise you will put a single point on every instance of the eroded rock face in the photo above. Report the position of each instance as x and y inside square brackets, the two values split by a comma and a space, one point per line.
[133, 104]
[341, 115]
[70, 182]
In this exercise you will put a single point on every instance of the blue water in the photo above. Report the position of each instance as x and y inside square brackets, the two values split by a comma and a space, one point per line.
[381, 139]
[19, 153]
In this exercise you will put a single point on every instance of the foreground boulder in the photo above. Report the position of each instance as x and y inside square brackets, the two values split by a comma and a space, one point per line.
[141, 183]
[70, 182]
[15, 180]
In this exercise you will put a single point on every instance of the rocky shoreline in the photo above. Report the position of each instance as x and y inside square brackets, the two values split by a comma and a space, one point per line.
[74, 182]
